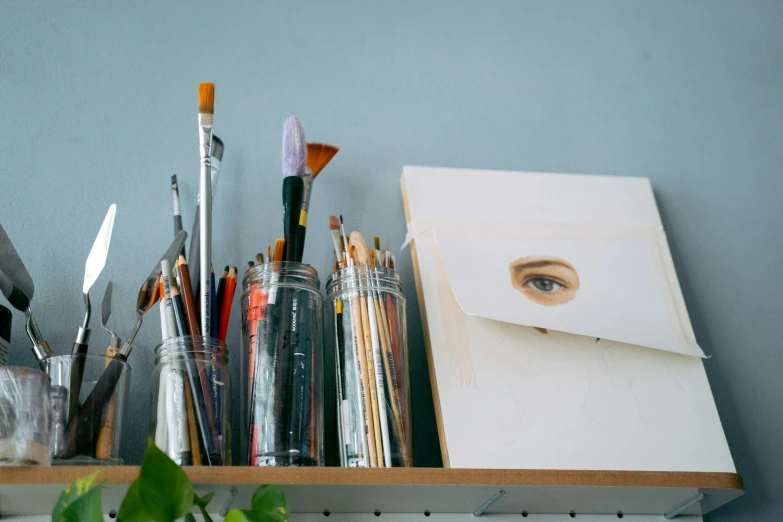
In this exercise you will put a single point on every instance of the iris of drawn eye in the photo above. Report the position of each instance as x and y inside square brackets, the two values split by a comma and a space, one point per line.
[545, 285]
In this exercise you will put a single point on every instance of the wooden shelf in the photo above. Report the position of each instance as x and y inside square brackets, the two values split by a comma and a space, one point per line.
[34, 490]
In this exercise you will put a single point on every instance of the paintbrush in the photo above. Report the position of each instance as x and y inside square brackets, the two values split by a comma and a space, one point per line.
[361, 253]
[346, 249]
[193, 253]
[96, 260]
[337, 239]
[370, 435]
[259, 393]
[206, 106]
[294, 154]
[177, 211]
[318, 155]
[17, 286]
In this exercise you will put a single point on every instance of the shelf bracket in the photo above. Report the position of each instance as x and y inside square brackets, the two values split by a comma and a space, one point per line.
[685, 505]
[485, 506]
[232, 494]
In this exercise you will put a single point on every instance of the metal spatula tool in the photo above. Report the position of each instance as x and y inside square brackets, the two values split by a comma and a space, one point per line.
[96, 260]
[17, 286]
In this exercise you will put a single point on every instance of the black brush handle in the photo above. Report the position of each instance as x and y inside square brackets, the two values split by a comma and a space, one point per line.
[177, 228]
[293, 192]
[300, 241]
[77, 373]
[84, 427]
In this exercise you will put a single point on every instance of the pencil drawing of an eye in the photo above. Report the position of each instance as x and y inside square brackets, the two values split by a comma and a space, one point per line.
[548, 281]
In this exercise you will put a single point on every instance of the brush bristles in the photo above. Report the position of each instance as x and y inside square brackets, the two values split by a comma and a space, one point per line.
[377, 242]
[217, 148]
[279, 249]
[318, 155]
[174, 182]
[206, 98]
[334, 223]
[294, 148]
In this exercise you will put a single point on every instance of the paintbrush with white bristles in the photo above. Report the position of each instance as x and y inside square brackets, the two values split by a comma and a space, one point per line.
[294, 157]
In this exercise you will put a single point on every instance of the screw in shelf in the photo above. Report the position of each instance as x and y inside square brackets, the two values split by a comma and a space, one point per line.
[486, 505]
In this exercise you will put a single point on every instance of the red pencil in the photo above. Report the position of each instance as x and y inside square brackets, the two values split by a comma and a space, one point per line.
[225, 305]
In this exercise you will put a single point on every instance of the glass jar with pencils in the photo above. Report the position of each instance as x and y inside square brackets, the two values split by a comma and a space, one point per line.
[191, 394]
[366, 338]
[282, 365]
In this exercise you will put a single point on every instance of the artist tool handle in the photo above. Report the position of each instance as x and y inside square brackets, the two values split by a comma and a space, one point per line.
[106, 435]
[293, 191]
[206, 430]
[300, 241]
[84, 426]
[78, 352]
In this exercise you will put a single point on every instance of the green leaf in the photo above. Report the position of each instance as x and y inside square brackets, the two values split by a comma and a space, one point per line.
[269, 504]
[190, 518]
[132, 509]
[73, 493]
[235, 515]
[202, 505]
[86, 508]
[162, 493]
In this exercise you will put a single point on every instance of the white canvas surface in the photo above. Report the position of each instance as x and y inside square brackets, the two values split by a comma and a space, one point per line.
[510, 396]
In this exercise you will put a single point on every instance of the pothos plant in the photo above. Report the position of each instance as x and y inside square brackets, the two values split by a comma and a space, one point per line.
[161, 493]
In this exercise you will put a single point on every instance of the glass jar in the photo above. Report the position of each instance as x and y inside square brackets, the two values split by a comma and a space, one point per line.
[25, 417]
[282, 365]
[93, 435]
[191, 394]
[366, 333]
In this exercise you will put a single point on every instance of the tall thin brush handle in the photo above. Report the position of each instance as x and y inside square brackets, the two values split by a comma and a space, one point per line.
[205, 223]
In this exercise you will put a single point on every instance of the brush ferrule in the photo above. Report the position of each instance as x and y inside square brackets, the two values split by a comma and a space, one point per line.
[41, 351]
[205, 136]
[308, 185]
[175, 202]
[83, 336]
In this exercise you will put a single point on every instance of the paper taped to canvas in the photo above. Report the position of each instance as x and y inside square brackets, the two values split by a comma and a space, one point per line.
[614, 289]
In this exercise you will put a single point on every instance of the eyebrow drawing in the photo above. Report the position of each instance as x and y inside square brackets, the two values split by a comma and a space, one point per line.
[548, 281]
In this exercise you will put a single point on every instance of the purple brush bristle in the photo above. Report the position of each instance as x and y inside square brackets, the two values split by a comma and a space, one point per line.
[294, 148]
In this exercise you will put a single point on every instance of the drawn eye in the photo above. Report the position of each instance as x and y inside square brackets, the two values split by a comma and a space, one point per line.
[542, 284]
[547, 281]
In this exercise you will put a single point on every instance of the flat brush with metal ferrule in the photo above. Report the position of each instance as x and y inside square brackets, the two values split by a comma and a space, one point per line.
[92, 269]
[83, 428]
[176, 209]
[318, 155]
[294, 156]
[193, 253]
[206, 106]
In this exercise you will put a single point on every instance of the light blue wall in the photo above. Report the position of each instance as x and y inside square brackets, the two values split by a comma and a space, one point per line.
[98, 102]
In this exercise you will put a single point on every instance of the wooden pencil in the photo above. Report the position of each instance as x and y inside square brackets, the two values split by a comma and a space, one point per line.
[192, 429]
